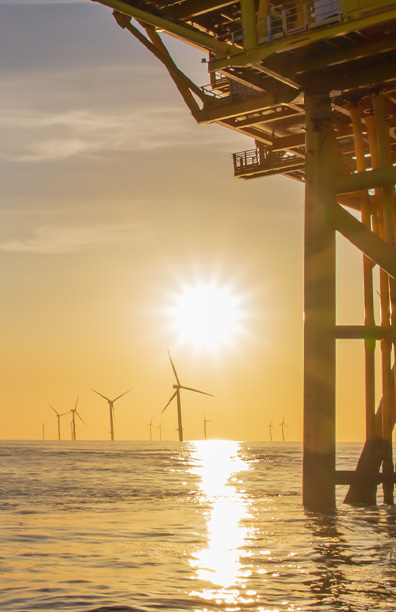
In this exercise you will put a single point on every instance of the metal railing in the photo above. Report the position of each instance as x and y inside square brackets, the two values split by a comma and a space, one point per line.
[267, 160]
[291, 18]
[218, 87]
[243, 160]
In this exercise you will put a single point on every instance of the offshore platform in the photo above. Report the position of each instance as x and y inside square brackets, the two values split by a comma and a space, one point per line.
[314, 84]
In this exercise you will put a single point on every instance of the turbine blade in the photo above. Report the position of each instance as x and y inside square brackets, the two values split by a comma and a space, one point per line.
[57, 413]
[63, 413]
[173, 396]
[81, 419]
[75, 407]
[125, 392]
[174, 369]
[196, 390]
[104, 397]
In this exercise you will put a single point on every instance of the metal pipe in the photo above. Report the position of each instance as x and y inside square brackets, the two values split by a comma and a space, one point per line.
[319, 307]
[249, 24]
[369, 344]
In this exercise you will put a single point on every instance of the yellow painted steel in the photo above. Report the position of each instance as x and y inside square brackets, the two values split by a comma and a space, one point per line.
[304, 39]
[369, 320]
[382, 130]
[188, 35]
[249, 24]
[262, 20]
[319, 307]
[366, 241]
[374, 123]
[379, 177]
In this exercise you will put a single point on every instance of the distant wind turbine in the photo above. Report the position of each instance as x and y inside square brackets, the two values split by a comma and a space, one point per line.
[43, 424]
[111, 406]
[283, 425]
[73, 423]
[58, 416]
[160, 427]
[205, 420]
[150, 425]
[176, 395]
[270, 427]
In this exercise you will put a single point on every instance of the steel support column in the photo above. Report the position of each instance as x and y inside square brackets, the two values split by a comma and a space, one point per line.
[319, 307]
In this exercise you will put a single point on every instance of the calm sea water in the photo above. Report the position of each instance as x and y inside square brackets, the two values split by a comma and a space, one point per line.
[199, 526]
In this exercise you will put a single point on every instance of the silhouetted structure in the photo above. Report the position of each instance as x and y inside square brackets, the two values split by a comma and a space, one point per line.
[176, 394]
[58, 416]
[73, 422]
[111, 407]
[313, 83]
[205, 420]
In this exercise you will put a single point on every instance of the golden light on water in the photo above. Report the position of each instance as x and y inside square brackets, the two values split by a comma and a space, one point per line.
[219, 562]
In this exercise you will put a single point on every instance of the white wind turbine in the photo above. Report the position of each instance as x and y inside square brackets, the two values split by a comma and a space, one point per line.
[176, 395]
[111, 406]
[73, 423]
[58, 416]
[270, 427]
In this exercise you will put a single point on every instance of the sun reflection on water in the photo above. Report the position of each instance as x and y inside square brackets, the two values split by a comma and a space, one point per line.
[218, 465]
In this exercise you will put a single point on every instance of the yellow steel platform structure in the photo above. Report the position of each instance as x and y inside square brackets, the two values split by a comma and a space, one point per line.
[314, 84]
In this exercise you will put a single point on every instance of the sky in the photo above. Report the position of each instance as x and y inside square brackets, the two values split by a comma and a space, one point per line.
[116, 207]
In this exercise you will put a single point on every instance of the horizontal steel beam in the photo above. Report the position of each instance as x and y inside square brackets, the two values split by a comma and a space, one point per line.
[362, 181]
[222, 110]
[365, 332]
[347, 477]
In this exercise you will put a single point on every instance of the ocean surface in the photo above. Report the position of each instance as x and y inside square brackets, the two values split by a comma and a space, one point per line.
[198, 526]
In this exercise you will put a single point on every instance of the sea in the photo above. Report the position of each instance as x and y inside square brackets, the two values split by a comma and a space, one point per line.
[204, 526]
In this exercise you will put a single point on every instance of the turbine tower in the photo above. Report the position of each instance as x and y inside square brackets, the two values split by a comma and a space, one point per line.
[205, 420]
[73, 423]
[270, 427]
[111, 406]
[150, 425]
[58, 416]
[283, 425]
[176, 395]
[160, 428]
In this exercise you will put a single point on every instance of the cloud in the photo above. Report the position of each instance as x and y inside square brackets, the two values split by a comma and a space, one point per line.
[55, 240]
[38, 136]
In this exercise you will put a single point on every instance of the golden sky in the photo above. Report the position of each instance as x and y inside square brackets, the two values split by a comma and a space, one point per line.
[114, 204]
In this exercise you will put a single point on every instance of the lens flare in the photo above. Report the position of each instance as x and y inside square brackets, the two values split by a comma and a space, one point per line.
[207, 316]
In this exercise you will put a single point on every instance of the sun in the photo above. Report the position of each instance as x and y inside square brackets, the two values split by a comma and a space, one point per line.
[206, 316]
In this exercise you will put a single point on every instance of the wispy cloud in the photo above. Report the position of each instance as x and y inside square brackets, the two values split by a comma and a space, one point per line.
[34, 136]
[52, 240]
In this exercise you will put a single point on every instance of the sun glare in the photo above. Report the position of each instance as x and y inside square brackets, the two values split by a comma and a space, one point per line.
[206, 316]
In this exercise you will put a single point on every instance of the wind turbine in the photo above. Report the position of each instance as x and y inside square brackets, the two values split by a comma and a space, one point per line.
[111, 406]
[160, 427]
[176, 395]
[43, 425]
[270, 427]
[58, 416]
[205, 420]
[73, 423]
[151, 428]
[283, 425]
